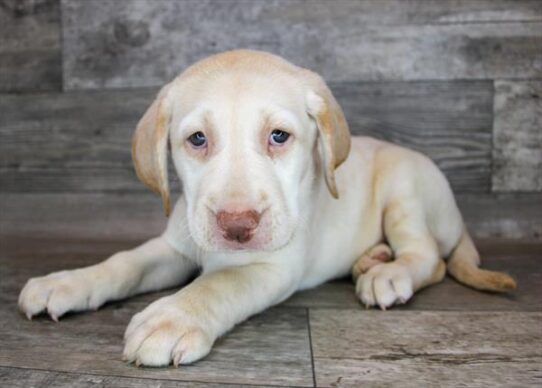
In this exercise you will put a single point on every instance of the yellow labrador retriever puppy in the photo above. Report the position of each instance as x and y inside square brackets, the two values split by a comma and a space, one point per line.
[277, 197]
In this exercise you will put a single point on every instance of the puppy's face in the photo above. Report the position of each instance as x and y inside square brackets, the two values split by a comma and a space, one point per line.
[244, 129]
[242, 146]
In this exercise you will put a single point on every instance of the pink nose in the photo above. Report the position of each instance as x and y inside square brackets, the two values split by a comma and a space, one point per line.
[238, 226]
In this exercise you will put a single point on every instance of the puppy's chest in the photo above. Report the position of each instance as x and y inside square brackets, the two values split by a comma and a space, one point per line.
[339, 238]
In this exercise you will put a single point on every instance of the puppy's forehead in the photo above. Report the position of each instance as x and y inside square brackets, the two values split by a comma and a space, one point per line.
[243, 61]
[234, 87]
[240, 77]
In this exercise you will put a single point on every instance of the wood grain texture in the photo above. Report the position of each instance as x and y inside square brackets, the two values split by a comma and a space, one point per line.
[70, 129]
[453, 129]
[61, 180]
[125, 44]
[517, 136]
[415, 370]
[412, 349]
[80, 141]
[24, 378]
[516, 216]
[97, 215]
[30, 57]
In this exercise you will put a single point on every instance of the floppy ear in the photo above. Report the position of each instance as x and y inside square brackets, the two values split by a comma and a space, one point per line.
[332, 128]
[149, 146]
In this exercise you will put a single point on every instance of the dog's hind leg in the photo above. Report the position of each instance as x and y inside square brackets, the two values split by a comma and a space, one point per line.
[382, 253]
[417, 262]
[378, 254]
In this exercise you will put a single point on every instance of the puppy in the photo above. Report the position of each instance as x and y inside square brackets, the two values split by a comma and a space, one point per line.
[277, 197]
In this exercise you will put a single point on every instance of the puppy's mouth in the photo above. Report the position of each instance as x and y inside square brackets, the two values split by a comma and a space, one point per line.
[239, 246]
[239, 233]
[259, 242]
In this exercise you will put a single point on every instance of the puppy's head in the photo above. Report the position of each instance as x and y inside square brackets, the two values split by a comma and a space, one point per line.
[249, 132]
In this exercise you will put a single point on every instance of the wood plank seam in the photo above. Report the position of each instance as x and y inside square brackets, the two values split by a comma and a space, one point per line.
[308, 310]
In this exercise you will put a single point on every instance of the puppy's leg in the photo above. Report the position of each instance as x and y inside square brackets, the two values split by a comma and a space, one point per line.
[151, 266]
[380, 253]
[181, 328]
[417, 261]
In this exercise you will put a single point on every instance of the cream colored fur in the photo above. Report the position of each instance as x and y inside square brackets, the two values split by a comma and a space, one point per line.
[306, 236]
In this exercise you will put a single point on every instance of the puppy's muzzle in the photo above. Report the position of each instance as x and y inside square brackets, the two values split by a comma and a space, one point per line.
[238, 226]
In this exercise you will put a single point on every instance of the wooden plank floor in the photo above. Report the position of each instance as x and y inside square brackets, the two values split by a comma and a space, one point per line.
[447, 335]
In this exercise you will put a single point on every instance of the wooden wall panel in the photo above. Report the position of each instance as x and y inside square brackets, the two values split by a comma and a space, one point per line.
[147, 42]
[517, 136]
[30, 57]
[91, 129]
[448, 121]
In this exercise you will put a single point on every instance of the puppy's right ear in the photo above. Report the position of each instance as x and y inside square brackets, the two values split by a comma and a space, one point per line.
[149, 146]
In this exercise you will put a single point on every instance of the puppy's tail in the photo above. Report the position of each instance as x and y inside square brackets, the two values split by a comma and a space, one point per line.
[463, 266]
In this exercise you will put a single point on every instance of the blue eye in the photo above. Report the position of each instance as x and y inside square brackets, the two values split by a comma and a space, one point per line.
[278, 137]
[198, 139]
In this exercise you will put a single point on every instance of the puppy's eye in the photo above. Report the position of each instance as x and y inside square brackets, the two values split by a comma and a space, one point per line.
[198, 140]
[278, 137]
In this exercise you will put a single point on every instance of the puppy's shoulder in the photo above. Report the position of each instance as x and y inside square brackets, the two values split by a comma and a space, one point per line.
[394, 168]
[384, 155]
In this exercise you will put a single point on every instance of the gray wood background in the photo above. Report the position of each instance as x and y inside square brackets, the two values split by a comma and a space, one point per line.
[460, 80]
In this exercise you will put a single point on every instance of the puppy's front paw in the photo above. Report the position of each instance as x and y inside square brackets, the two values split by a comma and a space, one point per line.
[164, 333]
[385, 285]
[58, 293]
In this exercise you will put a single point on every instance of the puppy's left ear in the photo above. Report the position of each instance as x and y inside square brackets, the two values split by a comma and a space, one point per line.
[332, 127]
[149, 146]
